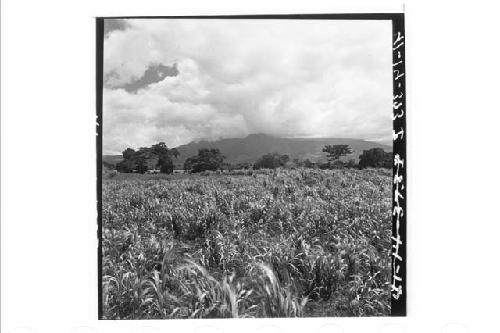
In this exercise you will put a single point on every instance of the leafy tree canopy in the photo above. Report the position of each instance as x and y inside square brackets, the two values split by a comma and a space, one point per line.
[375, 158]
[144, 159]
[207, 159]
[334, 152]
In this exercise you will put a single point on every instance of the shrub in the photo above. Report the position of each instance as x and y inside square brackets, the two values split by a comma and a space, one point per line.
[376, 158]
[271, 161]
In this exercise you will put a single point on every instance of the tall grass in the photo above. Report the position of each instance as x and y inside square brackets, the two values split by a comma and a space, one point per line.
[280, 243]
[276, 301]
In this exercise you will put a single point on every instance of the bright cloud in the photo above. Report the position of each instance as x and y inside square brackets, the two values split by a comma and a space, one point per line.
[303, 78]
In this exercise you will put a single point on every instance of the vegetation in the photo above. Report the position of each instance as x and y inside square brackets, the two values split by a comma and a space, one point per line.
[239, 166]
[271, 161]
[207, 159]
[159, 158]
[144, 159]
[334, 152]
[250, 243]
[375, 158]
[304, 163]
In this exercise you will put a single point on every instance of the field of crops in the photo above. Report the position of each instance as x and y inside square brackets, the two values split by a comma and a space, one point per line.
[264, 243]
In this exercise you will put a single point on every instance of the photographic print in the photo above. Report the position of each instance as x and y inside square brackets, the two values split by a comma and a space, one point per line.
[251, 166]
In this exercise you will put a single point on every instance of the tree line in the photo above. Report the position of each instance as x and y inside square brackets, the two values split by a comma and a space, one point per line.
[161, 158]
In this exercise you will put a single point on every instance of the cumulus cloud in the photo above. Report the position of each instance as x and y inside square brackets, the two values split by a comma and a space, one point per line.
[289, 78]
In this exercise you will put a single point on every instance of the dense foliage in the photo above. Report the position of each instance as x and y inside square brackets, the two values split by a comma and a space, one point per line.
[266, 243]
[271, 161]
[375, 158]
[157, 156]
[207, 159]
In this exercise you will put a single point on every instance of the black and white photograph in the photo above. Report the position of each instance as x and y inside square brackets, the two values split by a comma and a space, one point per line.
[246, 167]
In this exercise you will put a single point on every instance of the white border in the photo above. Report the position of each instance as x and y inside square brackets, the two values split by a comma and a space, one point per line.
[48, 217]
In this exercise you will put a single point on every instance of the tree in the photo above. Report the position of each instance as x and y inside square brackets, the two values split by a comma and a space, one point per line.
[271, 161]
[207, 159]
[127, 165]
[189, 162]
[141, 164]
[144, 159]
[128, 153]
[375, 158]
[334, 152]
[165, 163]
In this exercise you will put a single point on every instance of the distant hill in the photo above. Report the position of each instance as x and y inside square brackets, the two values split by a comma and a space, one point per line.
[111, 159]
[252, 147]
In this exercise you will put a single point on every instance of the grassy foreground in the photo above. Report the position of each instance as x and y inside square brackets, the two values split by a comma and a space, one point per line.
[265, 243]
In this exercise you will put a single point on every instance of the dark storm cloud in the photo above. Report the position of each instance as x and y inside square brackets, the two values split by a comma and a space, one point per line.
[153, 74]
[114, 24]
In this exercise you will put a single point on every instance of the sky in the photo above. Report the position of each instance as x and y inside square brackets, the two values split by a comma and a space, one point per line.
[178, 81]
